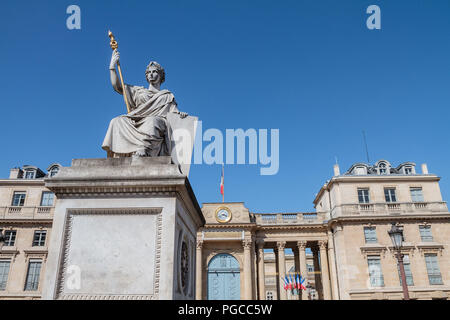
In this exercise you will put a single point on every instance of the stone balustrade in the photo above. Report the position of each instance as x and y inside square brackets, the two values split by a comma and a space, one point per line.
[18, 212]
[393, 208]
[290, 218]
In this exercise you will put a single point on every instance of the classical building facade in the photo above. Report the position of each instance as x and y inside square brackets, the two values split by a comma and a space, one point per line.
[26, 217]
[346, 238]
[342, 248]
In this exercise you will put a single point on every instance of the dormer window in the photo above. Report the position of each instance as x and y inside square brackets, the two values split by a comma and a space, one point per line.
[30, 174]
[408, 170]
[53, 171]
[382, 168]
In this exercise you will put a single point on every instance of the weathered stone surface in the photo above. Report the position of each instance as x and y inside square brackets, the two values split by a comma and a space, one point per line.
[122, 222]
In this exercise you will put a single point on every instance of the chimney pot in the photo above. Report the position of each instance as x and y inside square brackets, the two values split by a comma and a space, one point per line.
[424, 168]
[336, 170]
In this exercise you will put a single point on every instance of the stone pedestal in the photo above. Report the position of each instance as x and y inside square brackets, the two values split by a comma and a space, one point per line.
[123, 228]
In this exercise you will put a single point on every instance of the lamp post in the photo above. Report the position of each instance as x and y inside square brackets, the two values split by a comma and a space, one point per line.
[2, 238]
[396, 235]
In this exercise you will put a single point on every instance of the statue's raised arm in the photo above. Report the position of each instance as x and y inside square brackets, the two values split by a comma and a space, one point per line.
[113, 74]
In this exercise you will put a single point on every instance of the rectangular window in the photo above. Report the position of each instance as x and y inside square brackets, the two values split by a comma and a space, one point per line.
[370, 234]
[408, 170]
[434, 273]
[375, 273]
[425, 233]
[4, 272]
[18, 199]
[408, 273]
[389, 194]
[10, 238]
[34, 272]
[310, 267]
[363, 196]
[47, 199]
[39, 238]
[29, 174]
[416, 194]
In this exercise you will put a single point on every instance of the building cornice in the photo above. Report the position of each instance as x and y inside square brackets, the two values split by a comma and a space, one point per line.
[22, 182]
[388, 218]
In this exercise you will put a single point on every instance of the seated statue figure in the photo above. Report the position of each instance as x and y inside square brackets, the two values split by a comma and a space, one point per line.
[143, 132]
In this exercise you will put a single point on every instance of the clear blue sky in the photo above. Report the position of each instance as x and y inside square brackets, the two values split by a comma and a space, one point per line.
[309, 68]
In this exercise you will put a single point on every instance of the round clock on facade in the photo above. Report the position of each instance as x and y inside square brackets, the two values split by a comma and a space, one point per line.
[223, 214]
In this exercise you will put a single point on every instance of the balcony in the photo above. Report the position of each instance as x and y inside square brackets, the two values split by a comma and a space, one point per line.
[393, 208]
[17, 212]
[290, 218]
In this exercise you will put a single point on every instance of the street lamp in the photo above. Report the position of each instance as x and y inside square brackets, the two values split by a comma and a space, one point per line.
[396, 235]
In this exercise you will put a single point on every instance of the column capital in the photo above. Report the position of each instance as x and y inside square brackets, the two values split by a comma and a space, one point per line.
[322, 244]
[247, 243]
[199, 244]
[301, 244]
[260, 244]
[281, 245]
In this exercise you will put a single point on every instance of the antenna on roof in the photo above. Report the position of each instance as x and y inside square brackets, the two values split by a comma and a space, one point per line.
[365, 143]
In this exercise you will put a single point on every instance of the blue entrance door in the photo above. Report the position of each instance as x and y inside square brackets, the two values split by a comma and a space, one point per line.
[224, 278]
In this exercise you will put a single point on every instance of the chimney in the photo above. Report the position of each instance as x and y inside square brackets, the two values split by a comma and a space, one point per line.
[336, 170]
[424, 168]
[15, 173]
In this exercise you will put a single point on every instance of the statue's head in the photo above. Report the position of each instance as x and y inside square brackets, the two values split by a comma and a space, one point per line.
[155, 73]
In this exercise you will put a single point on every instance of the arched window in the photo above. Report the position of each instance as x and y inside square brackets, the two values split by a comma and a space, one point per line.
[54, 170]
[382, 168]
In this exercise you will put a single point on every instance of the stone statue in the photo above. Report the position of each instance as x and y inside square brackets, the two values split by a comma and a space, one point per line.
[144, 131]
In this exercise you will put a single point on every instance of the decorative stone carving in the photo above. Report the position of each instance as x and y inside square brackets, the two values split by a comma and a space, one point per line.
[301, 244]
[199, 244]
[247, 243]
[281, 245]
[67, 245]
[322, 244]
[184, 266]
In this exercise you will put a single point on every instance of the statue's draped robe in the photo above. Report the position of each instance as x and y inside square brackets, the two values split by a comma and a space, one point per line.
[145, 127]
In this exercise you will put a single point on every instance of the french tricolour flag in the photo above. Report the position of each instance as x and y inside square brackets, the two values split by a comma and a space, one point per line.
[222, 185]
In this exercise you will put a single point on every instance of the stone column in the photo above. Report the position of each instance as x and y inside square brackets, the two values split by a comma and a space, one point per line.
[282, 268]
[332, 263]
[301, 246]
[297, 268]
[247, 244]
[199, 271]
[261, 273]
[317, 274]
[324, 270]
[277, 272]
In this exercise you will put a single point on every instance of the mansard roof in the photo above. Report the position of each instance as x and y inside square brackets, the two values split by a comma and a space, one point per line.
[380, 164]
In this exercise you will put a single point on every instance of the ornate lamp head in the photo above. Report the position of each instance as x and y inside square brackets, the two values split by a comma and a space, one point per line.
[154, 64]
[396, 235]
